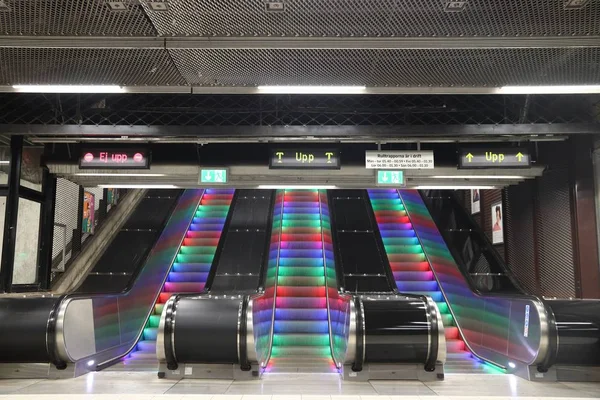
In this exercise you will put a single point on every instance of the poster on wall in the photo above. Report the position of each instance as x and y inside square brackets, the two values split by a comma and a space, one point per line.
[497, 224]
[475, 201]
[87, 226]
[112, 196]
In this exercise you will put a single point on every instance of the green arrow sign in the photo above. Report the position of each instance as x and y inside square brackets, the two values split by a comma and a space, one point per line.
[213, 176]
[390, 177]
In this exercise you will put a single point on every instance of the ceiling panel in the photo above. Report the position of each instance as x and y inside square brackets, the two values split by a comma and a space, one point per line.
[452, 67]
[73, 17]
[126, 67]
[376, 18]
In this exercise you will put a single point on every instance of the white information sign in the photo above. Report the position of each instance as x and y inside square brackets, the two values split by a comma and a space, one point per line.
[380, 159]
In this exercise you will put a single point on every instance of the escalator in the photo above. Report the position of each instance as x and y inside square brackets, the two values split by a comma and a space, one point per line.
[301, 331]
[413, 274]
[469, 269]
[82, 332]
[192, 265]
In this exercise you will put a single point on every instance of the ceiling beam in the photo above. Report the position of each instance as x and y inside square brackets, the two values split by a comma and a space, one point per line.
[465, 42]
[368, 133]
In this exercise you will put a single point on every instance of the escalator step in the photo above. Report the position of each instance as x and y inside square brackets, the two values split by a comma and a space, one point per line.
[414, 276]
[153, 321]
[417, 286]
[451, 332]
[150, 333]
[147, 346]
[300, 339]
[188, 276]
[297, 281]
[301, 291]
[410, 266]
[301, 313]
[301, 351]
[299, 326]
[200, 250]
[183, 287]
[191, 267]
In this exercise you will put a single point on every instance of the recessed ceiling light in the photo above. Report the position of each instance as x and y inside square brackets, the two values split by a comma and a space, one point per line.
[455, 6]
[575, 4]
[68, 89]
[116, 5]
[275, 6]
[4, 6]
[158, 5]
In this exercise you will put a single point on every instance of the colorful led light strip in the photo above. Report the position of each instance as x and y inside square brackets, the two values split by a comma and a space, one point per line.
[192, 265]
[301, 329]
[410, 267]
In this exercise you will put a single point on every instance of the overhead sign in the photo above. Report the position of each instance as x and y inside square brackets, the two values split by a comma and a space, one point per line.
[304, 159]
[380, 159]
[114, 159]
[213, 175]
[494, 158]
[390, 178]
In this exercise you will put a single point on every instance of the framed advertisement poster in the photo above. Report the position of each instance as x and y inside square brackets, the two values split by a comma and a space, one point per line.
[475, 201]
[112, 196]
[87, 224]
[497, 223]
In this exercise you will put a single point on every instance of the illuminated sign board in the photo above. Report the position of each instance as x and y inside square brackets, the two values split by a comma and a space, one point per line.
[115, 159]
[304, 159]
[494, 158]
[390, 178]
[218, 175]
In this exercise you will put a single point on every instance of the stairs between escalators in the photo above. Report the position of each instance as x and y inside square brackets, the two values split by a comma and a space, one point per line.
[301, 330]
[413, 273]
[192, 265]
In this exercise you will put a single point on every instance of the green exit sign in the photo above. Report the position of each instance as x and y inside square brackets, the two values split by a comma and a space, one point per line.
[213, 176]
[391, 178]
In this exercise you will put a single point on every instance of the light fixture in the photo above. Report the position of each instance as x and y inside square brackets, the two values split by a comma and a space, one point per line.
[297, 187]
[114, 174]
[158, 5]
[69, 89]
[449, 187]
[575, 4]
[558, 89]
[275, 6]
[455, 6]
[116, 5]
[478, 177]
[312, 89]
[137, 186]
[90, 363]
[512, 364]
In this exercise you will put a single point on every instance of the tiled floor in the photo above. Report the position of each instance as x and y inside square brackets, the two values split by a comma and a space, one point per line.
[145, 385]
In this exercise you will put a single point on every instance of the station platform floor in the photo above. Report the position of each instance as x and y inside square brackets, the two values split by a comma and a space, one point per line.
[124, 385]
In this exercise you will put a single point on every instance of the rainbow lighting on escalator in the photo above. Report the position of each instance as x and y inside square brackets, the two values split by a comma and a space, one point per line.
[301, 331]
[412, 271]
[192, 265]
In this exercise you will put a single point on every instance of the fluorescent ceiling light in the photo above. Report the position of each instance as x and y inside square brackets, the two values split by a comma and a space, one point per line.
[297, 187]
[454, 187]
[69, 89]
[479, 177]
[311, 89]
[114, 174]
[4, 162]
[139, 186]
[580, 89]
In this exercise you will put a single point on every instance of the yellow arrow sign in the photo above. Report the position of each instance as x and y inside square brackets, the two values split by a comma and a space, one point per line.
[520, 156]
[469, 157]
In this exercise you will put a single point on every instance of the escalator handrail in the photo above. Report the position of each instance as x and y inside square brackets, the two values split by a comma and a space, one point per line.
[552, 349]
[272, 333]
[262, 275]
[442, 289]
[212, 272]
[69, 298]
[545, 349]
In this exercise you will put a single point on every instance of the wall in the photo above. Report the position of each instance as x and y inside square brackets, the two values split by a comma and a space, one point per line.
[538, 227]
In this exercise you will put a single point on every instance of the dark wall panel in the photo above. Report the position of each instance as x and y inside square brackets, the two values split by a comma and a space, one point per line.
[520, 239]
[554, 231]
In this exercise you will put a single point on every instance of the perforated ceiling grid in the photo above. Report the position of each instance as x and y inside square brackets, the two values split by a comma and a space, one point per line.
[375, 18]
[74, 17]
[379, 68]
[298, 110]
[87, 67]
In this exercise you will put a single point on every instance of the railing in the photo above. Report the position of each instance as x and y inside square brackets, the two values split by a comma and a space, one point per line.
[263, 305]
[93, 331]
[500, 329]
[341, 306]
